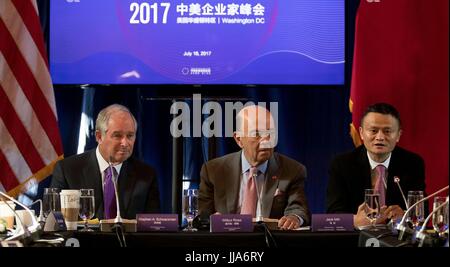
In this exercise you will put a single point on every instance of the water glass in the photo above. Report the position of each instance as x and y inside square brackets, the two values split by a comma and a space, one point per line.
[51, 201]
[87, 207]
[417, 214]
[372, 206]
[440, 217]
[190, 207]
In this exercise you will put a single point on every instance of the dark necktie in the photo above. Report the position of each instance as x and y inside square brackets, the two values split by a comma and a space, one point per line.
[109, 196]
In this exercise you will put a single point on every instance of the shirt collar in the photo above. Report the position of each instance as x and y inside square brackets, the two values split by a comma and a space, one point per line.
[103, 164]
[246, 166]
[374, 164]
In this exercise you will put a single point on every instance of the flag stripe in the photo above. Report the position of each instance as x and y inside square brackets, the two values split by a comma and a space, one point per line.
[29, 16]
[28, 83]
[30, 144]
[19, 134]
[29, 49]
[13, 156]
[7, 178]
[26, 113]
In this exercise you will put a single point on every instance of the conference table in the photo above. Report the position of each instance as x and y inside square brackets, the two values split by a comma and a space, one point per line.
[206, 239]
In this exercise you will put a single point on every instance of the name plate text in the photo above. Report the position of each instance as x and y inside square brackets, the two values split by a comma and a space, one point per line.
[332, 222]
[231, 223]
[157, 222]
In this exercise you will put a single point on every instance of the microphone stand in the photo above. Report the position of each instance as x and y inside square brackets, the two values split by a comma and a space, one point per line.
[41, 218]
[401, 226]
[397, 181]
[270, 240]
[421, 235]
[118, 227]
[391, 224]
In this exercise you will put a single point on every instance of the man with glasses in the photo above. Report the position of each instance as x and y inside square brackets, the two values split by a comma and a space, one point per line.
[255, 180]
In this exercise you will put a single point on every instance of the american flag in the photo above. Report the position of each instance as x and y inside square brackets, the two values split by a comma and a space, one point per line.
[30, 143]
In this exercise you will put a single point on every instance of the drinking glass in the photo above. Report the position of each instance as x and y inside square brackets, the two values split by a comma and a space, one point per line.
[51, 201]
[372, 206]
[87, 207]
[416, 215]
[190, 207]
[440, 217]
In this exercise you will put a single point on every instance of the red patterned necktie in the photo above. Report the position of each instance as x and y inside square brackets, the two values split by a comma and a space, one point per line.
[380, 173]
[250, 194]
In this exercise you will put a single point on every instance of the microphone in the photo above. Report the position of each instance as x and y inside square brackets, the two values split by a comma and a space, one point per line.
[397, 181]
[41, 218]
[25, 232]
[118, 220]
[270, 240]
[420, 235]
[259, 218]
[401, 226]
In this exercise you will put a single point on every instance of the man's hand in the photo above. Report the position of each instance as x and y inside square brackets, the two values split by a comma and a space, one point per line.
[393, 212]
[360, 219]
[289, 222]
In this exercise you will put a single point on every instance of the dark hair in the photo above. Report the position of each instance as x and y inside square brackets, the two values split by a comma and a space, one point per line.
[382, 108]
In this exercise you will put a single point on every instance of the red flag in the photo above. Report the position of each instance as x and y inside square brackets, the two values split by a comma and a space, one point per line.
[30, 143]
[401, 57]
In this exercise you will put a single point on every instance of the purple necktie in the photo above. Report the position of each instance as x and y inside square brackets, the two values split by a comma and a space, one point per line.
[250, 194]
[109, 196]
[380, 173]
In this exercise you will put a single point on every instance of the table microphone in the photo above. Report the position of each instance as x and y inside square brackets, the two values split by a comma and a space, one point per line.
[397, 181]
[270, 240]
[41, 218]
[421, 235]
[259, 218]
[401, 226]
[118, 220]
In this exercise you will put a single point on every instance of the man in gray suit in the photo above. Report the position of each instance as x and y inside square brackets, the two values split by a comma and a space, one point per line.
[255, 180]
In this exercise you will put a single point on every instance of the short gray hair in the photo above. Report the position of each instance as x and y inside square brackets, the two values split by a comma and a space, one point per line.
[105, 114]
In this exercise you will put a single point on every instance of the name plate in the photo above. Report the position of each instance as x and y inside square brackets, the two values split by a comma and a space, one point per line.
[230, 223]
[55, 222]
[332, 223]
[157, 222]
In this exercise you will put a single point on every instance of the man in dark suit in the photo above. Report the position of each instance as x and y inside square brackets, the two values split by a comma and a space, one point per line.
[137, 183]
[255, 180]
[353, 172]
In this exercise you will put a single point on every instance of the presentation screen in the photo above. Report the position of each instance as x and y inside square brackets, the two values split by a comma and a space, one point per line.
[197, 42]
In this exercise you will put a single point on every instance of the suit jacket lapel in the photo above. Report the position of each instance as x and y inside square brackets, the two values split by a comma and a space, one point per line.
[270, 185]
[127, 180]
[364, 166]
[391, 172]
[233, 182]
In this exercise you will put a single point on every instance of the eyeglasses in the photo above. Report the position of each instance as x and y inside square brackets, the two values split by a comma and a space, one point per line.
[259, 133]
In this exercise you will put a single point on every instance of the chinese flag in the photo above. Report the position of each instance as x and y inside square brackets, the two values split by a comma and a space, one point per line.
[401, 57]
